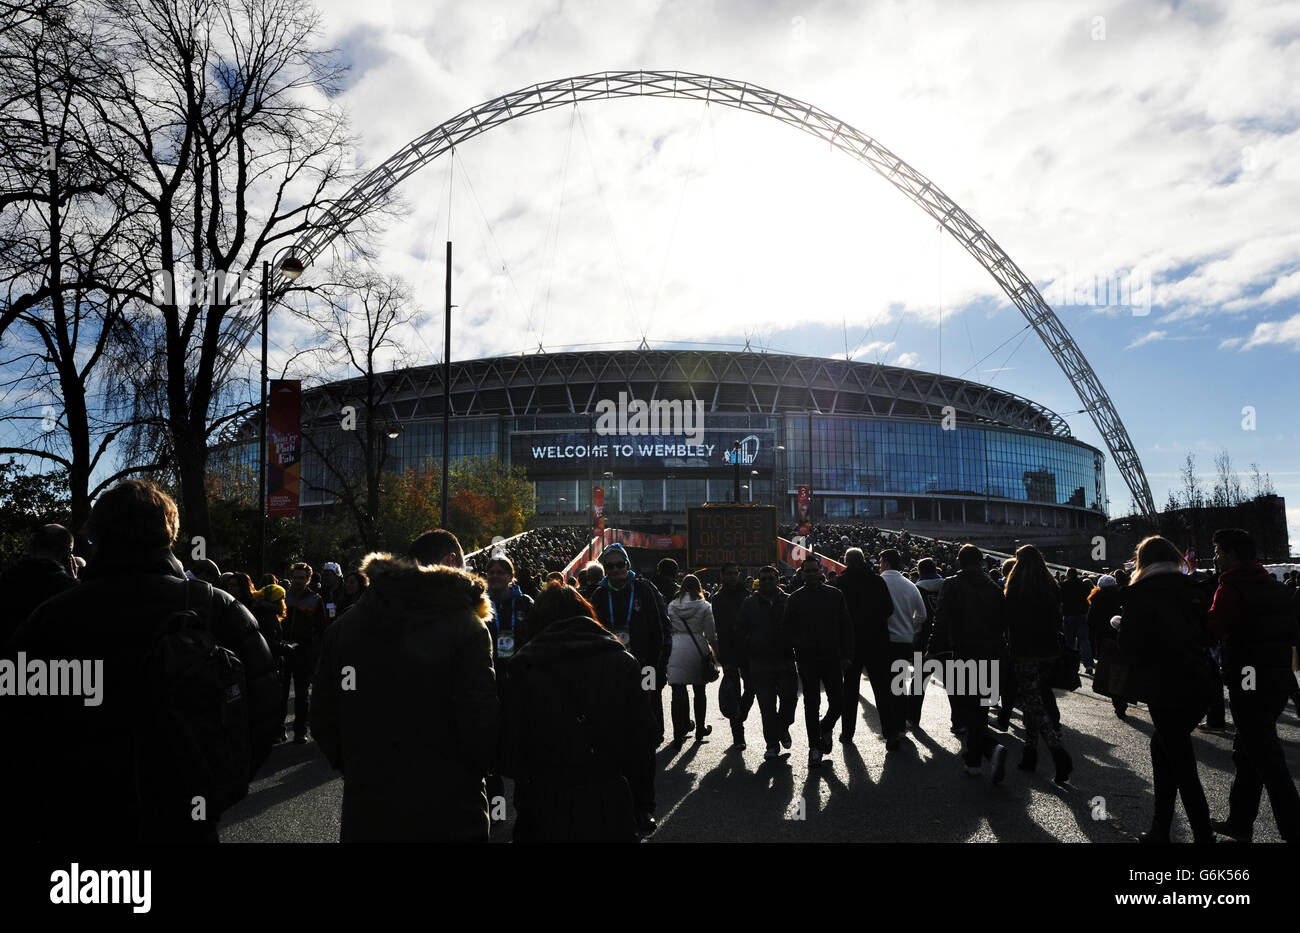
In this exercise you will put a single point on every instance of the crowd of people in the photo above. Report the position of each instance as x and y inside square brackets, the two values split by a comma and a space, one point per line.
[536, 553]
[558, 684]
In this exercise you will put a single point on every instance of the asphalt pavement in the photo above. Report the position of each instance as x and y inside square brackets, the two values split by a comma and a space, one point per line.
[710, 792]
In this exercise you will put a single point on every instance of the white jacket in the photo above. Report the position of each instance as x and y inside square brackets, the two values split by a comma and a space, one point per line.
[685, 664]
[909, 607]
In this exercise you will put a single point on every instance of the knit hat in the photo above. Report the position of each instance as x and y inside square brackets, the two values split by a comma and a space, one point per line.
[272, 593]
[330, 565]
[615, 548]
[1107, 580]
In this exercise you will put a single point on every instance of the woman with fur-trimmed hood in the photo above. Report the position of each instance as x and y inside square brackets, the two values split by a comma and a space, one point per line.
[405, 703]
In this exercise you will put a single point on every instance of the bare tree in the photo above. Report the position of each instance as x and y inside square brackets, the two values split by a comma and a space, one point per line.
[1256, 482]
[61, 235]
[368, 316]
[1192, 496]
[219, 120]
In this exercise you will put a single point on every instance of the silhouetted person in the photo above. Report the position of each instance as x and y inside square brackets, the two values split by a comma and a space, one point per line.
[1255, 617]
[406, 700]
[45, 570]
[107, 774]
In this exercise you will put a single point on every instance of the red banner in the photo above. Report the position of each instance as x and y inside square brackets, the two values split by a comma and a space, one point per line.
[598, 507]
[793, 554]
[283, 453]
[803, 518]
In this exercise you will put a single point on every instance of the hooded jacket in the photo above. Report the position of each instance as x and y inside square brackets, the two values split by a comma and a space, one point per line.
[404, 703]
[694, 635]
[577, 781]
[80, 782]
[636, 611]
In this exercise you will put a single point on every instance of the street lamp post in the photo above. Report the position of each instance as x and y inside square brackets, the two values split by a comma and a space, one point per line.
[290, 269]
[735, 462]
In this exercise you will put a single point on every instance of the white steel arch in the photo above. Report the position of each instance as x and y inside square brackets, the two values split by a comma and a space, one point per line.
[802, 116]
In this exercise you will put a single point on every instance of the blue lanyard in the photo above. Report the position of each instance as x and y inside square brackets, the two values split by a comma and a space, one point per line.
[631, 598]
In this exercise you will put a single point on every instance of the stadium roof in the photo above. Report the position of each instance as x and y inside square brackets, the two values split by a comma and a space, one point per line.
[739, 382]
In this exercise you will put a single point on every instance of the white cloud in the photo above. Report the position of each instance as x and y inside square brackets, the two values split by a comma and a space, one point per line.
[1170, 144]
[906, 360]
[1150, 337]
[1270, 332]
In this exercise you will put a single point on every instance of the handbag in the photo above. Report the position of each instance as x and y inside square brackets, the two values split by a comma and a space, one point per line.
[1065, 673]
[1110, 676]
[711, 666]
[729, 694]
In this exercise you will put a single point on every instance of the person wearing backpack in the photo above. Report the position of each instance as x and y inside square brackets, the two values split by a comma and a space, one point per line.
[110, 770]
[1254, 615]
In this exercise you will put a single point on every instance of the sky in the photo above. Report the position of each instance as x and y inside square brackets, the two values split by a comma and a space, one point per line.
[1158, 141]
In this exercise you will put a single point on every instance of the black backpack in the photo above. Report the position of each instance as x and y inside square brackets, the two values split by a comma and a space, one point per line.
[195, 737]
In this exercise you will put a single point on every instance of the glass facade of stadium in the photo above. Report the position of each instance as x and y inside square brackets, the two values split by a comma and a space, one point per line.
[875, 443]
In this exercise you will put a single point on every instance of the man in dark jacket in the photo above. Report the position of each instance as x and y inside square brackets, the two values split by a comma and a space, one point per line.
[970, 628]
[1074, 613]
[47, 569]
[1255, 617]
[80, 777]
[304, 625]
[633, 609]
[771, 660]
[509, 627]
[406, 704]
[665, 580]
[870, 607]
[731, 646]
[817, 620]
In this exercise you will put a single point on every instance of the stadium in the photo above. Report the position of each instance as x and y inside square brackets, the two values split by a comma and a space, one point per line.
[894, 447]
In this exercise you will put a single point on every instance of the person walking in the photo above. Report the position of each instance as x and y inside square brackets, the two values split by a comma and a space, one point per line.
[929, 583]
[904, 622]
[1254, 616]
[731, 647]
[1162, 634]
[817, 621]
[1104, 603]
[969, 627]
[304, 625]
[128, 768]
[577, 729]
[870, 606]
[406, 700]
[1074, 613]
[771, 660]
[695, 639]
[1033, 609]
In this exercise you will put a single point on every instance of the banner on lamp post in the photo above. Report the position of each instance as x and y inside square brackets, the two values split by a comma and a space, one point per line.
[598, 507]
[283, 450]
[804, 517]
